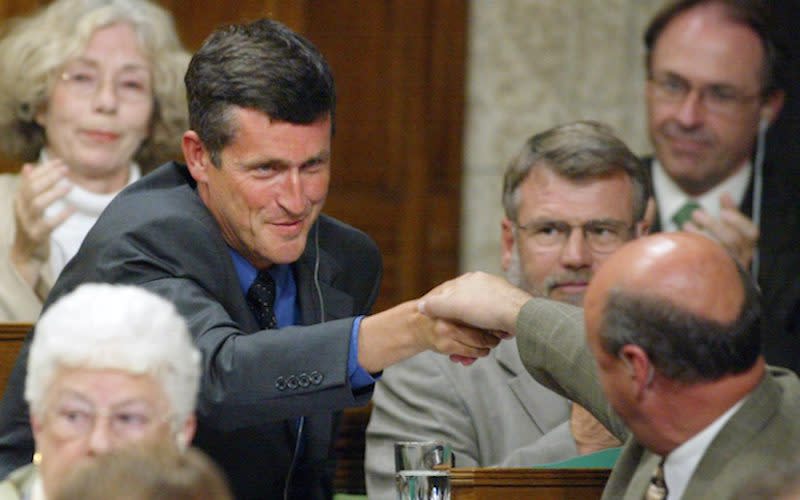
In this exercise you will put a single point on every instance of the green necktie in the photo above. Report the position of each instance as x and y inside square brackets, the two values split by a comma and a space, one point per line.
[684, 214]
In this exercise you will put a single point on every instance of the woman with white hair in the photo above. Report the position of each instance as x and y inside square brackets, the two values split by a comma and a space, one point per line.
[90, 90]
[109, 366]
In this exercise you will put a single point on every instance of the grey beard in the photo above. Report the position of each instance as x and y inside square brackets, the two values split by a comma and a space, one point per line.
[514, 273]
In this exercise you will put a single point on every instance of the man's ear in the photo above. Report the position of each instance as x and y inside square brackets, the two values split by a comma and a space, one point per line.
[640, 369]
[507, 241]
[197, 158]
[649, 218]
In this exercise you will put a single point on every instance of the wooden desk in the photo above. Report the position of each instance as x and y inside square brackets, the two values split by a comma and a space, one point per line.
[527, 483]
[12, 336]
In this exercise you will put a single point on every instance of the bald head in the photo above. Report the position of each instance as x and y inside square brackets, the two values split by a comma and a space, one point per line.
[681, 298]
[690, 271]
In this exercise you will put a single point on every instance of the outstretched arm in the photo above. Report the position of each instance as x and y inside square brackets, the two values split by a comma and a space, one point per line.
[482, 300]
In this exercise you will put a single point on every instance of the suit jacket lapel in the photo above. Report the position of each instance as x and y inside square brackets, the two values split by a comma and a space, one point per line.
[543, 406]
[647, 162]
[338, 304]
[741, 429]
[631, 473]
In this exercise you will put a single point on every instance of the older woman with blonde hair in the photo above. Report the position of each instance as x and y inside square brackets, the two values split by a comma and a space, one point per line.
[110, 366]
[91, 94]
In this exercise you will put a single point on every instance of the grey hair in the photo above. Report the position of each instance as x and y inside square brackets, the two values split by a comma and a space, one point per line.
[33, 48]
[578, 150]
[115, 327]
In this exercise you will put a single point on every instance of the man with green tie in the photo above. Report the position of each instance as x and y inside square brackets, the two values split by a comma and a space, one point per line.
[713, 89]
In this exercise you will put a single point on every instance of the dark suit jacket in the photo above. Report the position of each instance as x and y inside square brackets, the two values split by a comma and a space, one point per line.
[765, 431]
[158, 234]
[779, 272]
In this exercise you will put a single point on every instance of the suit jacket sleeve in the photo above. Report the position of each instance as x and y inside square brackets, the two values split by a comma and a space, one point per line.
[553, 349]
[171, 246]
[244, 367]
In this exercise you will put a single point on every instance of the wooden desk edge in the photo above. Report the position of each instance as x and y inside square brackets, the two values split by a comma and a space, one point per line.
[14, 331]
[525, 476]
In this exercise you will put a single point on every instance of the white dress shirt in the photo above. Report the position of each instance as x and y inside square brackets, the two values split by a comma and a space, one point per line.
[681, 463]
[670, 196]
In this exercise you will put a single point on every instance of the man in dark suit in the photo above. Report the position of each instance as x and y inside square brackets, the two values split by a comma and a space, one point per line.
[669, 362]
[714, 86]
[273, 292]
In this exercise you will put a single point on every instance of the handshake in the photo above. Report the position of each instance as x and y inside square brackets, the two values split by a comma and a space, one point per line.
[476, 310]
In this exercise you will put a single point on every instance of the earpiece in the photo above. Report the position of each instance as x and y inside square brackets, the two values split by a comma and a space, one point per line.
[764, 120]
[758, 176]
[180, 440]
[316, 273]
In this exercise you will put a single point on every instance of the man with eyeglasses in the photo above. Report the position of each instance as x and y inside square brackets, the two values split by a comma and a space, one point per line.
[572, 196]
[713, 89]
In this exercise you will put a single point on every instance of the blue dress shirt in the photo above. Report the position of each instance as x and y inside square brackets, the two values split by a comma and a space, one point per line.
[287, 310]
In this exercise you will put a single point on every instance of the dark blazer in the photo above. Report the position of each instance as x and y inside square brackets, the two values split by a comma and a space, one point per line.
[158, 234]
[763, 432]
[779, 268]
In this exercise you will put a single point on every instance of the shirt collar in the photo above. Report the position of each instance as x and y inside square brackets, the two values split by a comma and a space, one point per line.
[680, 465]
[247, 272]
[671, 197]
[37, 489]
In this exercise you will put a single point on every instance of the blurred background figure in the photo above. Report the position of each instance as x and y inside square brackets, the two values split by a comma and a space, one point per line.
[715, 79]
[109, 366]
[91, 96]
[146, 473]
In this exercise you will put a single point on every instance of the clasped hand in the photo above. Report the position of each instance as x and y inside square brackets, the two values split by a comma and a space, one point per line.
[483, 302]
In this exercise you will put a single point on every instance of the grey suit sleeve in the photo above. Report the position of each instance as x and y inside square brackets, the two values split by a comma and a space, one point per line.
[552, 347]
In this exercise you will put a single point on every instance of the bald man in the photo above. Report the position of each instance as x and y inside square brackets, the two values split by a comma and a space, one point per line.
[672, 345]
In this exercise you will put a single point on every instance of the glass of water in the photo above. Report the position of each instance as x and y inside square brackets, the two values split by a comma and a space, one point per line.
[423, 485]
[422, 470]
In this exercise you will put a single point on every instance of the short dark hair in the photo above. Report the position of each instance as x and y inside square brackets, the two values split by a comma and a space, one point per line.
[754, 14]
[684, 346]
[262, 65]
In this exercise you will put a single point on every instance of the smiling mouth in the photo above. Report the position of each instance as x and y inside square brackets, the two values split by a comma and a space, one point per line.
[101, 135]
[289, 228]
[290, 223]
[689, 146]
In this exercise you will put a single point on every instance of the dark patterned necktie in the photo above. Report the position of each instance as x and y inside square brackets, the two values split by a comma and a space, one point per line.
[261, 300]
[684, 214]
[657, 489]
